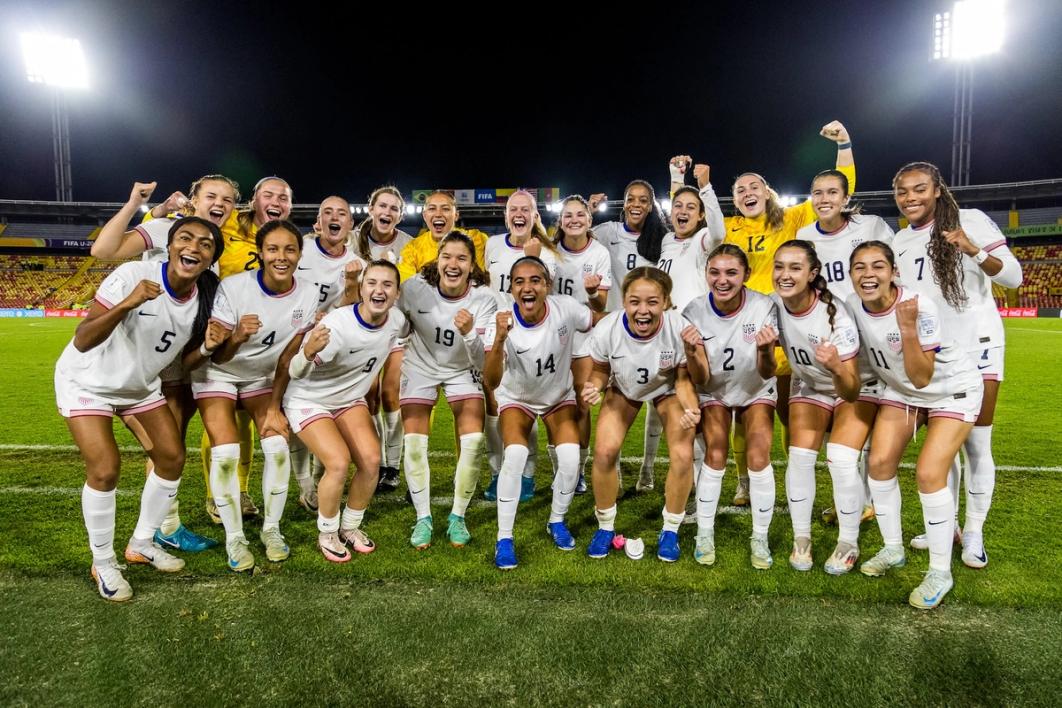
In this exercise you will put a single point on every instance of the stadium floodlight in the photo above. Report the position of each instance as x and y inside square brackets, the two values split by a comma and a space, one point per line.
[54, 61]
[602, 207]
[420, 210]
[410, 209]
[666, 205]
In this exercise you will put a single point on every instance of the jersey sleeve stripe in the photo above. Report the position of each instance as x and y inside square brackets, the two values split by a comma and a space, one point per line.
[223, 323]
[104, 302]
[994, 245]
[853, 355]
[148, 245]
[931, 347]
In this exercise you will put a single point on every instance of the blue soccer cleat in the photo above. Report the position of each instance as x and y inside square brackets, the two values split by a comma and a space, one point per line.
[505, 554]
[562, 537]
[667, 546]
[184, 539]
[600, 544]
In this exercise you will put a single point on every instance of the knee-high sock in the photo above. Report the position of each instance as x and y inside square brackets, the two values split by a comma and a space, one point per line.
[551, 451]
[246, 432]
[418, 474]
[276, 474]
[98, 509]
[654, 426]
[606, 518]
[955, 482]
[567, 478]
[172, 522]
[467, 473]
[864, 472]
[698, 457]
[226, 485]
[155, 502]
[886, 496]
[392, 438]
[709, 485]
[494, 444]
[738, 447]
[513, 461]
[938, 512]
[761, 498]
[843, 462]
[980, 478]
[301, 465]
[800, 489]
[532, 451]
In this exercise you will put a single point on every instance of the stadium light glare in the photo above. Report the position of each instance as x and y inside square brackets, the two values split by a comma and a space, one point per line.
[666, 205]
[54, 61]
[420, 210]
[602, 207]
[144, 208]
[410, 209]
[972, 28]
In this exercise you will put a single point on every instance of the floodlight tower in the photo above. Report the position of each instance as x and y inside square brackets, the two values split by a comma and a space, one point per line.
[971, 29]
[59, 63]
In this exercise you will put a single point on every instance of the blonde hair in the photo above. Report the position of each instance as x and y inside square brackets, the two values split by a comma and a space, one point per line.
[775, 211]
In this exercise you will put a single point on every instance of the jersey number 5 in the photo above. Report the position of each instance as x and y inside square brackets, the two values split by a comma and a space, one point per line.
[167, 341]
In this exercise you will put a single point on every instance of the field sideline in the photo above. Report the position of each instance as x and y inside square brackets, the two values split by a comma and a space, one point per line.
[443, 626]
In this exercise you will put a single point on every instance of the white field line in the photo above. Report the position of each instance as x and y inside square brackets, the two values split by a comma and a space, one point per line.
[1030, 329]
[446, 455]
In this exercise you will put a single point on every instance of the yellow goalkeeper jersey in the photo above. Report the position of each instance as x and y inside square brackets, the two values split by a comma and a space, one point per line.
[424, 248]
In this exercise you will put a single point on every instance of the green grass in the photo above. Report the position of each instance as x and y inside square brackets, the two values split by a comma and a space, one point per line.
[443, 626]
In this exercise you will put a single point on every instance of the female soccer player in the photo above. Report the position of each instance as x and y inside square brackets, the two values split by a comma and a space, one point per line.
[213, 197]
[144, 313]
[449, 307]
[325, 404]
[584, 271]
[263, 310]
[952, 256]
[528, 365]
[737, 325]
[821, 342]
[645, 348]
[440, 216]
[928, 379]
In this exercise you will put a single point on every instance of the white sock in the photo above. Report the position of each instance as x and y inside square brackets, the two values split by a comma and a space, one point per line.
[326, 524]
[761, 498]
[98, 509]
[672, 521]
[225, 486]
[532, 451]
[847, 490]
[864, 471]
[938, 511]
[653, 427]
[886, 496]
[276, 474]
[709, 485]
[567, 478]
[301, 467]
[551, 452]
[698, 455]
[392, 438]
[954, 482]
[584, 456]
[513, 461]
[800, 488]
[155, 501]
[467, 473]
[418, 474]
[172, 522]
[606, 518]
[494, 444]
[316, 470]
[980, 478]
[352, 518]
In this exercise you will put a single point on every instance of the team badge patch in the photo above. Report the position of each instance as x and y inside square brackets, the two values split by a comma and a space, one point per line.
[814, 339]
[296, 317]
[588, 268]
[667, 360]
[748, 331]
[562, 331]
[895, 343]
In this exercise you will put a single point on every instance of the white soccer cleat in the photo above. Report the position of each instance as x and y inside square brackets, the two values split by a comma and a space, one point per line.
[800, 559]
[645, 480]
[276, 546]
[842, 560]
[240, 558]
[931, 592]
[921, 542]
[153, 555]
[109, 581]
[760, 553]
[887, 557]
[704, 551]
[973, 550]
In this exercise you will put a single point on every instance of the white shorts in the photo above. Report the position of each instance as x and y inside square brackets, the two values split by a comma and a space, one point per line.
[989, 363]
[581, 344]
[232, 391]
[302, 413]
[964, 406]
[74, 402]
[416, 388]
[532, 410]
[768, 395]
[802, 392]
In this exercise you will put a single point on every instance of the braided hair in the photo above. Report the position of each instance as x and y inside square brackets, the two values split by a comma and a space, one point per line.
[207, 283]
[818, 283]
[944, 258]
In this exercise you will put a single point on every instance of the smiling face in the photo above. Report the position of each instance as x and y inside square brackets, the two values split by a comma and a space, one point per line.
[644, 303]
[871, 273]
[379, 291]
[455, 264]
[750, 195]
[637, 203]
[272, 201]
[386, 213]
[792, 272]
[214, 201]
[575, 218]
[916, 196]
[686, 214]
[280, 255]
[520, 215]
[828, 198]
[191, 250]
[334, 220]
[440, 214]
[529, 287]
[726, 279]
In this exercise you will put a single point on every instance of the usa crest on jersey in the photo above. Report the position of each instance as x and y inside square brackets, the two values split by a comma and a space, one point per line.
[296, 317]
[748, 332]
[667, 360]
[895, 343]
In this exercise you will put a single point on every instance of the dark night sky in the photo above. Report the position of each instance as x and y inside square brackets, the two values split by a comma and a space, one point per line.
[342, 101]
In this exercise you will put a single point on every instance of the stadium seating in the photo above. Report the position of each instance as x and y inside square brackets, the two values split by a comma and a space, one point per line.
[49, 281]
[1042, 270]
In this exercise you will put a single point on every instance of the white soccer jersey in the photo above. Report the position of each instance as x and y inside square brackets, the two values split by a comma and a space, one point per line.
[435, 348]
[730, 343]
[685, 261]
[538, 358]
[155, 233]
[835, 248]
[953, 371]
[977, 325]
[800, 332]
[622, 247]
[573, 266]
[386, 251]
[346, 368]
[282, 316]
[127, 364]
[500, 254]
[325, 271]
[642, 369]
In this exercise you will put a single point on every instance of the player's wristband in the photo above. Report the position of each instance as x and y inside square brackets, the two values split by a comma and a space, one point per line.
[206, 352]
[845, 146]
[980, 257]
[300, 366]
[677, 175]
